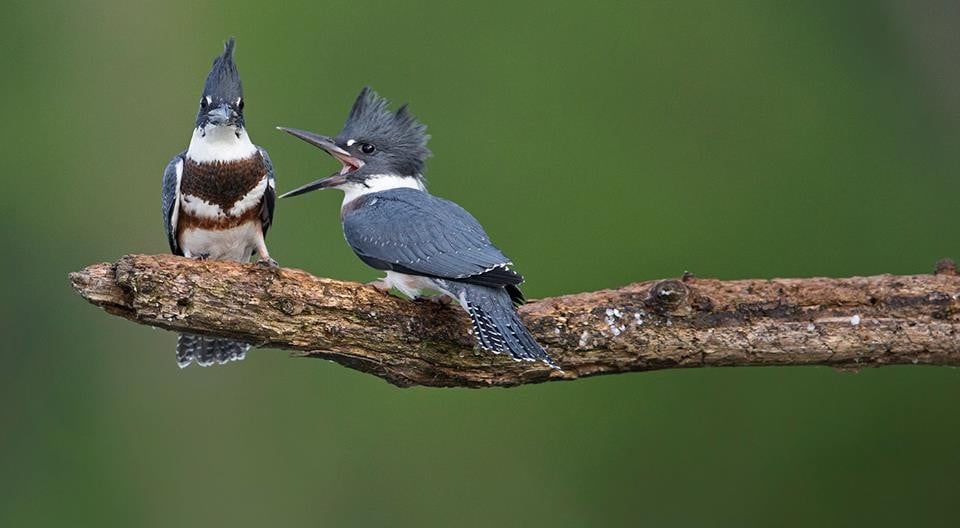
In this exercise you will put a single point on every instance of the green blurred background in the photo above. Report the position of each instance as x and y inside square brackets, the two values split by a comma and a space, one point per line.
[599, 144]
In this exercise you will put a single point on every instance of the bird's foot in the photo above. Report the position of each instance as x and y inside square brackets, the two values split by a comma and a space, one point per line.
[200, 256]
[269, 263]
[441, 299]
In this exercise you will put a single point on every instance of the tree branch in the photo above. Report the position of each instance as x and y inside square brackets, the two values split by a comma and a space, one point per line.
[690, 322]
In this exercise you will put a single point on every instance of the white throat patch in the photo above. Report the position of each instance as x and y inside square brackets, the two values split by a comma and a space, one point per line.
[377, 183]
[219, 143]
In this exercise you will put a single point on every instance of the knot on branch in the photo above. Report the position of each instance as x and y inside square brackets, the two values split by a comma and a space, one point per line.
[946, 266]
[668, 294]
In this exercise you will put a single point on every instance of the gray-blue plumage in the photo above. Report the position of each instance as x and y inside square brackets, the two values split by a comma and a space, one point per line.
[169, 195]
[424, 242]
[269, 194]
[495, 322]
[414, 232]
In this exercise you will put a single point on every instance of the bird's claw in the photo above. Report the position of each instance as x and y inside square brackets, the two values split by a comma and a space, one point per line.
[442, 300]
[268, 263]
[200, 256]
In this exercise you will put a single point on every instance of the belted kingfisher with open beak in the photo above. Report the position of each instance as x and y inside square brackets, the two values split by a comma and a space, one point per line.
[421, 241]
[218, 196]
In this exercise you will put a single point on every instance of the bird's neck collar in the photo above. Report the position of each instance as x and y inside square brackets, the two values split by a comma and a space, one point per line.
[211, 144]
[378, 183]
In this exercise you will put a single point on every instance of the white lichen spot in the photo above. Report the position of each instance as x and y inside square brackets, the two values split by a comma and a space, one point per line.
[638, 318]
[556, 330]
[584, 338]
[613, 314]
[915, 361]
[855, 320]
[811, 327]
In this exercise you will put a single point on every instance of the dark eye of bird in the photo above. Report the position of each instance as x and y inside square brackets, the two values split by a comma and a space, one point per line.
[240, 104]
[367, 148]
[203, 102]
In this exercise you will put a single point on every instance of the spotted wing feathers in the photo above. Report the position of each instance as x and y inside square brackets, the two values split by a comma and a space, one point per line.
[496, 326]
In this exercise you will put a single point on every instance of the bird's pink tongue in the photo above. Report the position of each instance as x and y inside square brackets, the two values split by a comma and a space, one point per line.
[349, 164]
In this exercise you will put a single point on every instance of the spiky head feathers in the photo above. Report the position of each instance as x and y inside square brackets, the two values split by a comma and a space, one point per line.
[222, 98]
[223, 81]
[397, 135]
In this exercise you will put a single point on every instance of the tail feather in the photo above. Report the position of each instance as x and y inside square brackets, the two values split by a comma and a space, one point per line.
[496, 325]
[206, 351]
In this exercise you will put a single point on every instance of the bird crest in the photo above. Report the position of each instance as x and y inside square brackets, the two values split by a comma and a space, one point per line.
[398, 131]
[223, 81]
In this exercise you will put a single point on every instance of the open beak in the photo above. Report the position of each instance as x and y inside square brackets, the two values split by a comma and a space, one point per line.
[348, 162]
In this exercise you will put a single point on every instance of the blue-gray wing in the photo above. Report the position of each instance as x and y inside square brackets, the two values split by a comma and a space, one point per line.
[413, 232]
[269, 195]
[170, 202]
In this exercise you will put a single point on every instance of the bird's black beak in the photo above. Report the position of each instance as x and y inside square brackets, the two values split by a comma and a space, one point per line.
[222, 115]
[349, 162]
[325, 183]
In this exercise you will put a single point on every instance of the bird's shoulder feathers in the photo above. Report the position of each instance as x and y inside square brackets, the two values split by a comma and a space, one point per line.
[413, 232]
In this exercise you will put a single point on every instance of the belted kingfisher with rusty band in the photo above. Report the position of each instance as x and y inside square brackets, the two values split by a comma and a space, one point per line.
[422, 242]
[218, 196]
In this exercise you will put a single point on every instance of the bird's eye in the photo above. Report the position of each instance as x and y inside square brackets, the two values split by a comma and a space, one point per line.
[204, 101]
[240, 103]
[367, 148]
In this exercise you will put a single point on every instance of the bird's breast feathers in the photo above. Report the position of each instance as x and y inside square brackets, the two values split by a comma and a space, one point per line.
[223, 191]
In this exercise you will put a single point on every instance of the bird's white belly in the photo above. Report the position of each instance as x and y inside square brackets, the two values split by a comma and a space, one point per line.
[411, 285]
[235, 243]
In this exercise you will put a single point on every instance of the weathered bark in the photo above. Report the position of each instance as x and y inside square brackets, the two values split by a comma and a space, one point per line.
[688, 322]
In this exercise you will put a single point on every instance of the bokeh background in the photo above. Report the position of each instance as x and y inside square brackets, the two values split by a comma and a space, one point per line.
[599, 143]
